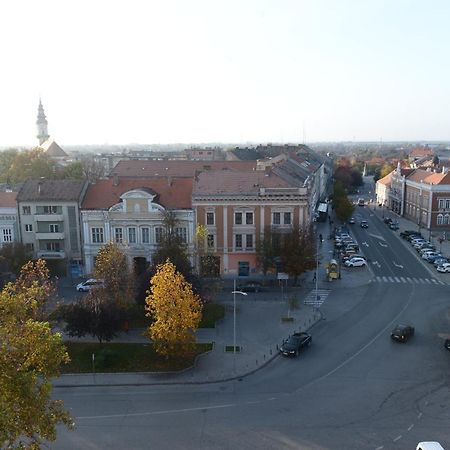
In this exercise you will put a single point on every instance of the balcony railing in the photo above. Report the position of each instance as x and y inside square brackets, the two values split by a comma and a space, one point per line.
[51, 254]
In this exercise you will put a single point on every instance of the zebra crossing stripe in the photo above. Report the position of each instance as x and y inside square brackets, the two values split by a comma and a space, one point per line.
[403, 280]
[408, 279]
[434, 281]
[427, 280]
[397, 280]
[416, 280]
[385, 279]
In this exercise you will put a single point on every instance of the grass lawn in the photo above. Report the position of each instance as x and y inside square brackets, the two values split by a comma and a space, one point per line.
[211, 313]
[120, 357]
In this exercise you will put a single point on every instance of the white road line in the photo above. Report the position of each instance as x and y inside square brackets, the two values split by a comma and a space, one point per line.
[397, 438]
[434, 281]
[391, 279]
[156, 413]
[419, 415]
[416, 280]
[410, 427]
[380, 447]
[385, 279]
[409, 280]
[427, 281]
[403, 280]
[397, 279]
[421, 281]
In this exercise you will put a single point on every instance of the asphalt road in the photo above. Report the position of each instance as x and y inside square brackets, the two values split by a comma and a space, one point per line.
[353, 388]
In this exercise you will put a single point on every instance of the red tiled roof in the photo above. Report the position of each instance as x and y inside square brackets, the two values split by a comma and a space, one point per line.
[386, 180]
[421, 151]
[172, 194]
[233, 182]
[424, 176]
[158, 168]
[8, 199]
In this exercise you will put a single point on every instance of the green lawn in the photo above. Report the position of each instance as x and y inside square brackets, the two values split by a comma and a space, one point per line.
[211, 313]
[120, 357]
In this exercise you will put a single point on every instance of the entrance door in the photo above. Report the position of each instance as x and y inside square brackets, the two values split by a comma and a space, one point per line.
[243, 268]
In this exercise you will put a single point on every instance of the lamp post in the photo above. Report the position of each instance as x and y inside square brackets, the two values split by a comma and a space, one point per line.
[234, 322]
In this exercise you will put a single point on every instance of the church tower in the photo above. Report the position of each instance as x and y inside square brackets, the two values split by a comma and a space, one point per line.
[41, 123]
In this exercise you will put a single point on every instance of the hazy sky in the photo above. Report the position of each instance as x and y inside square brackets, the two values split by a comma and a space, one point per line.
[225, 71]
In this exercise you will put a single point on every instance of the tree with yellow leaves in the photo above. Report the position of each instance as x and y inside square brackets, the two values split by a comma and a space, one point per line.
[175, 309]
[30, 356]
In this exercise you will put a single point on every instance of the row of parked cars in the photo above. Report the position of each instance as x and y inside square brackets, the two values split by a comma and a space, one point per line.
[427, 250]
[349, 249]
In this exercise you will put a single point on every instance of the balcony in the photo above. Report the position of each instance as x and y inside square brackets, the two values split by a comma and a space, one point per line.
[49, 218]
[49, 236]
[50, 254]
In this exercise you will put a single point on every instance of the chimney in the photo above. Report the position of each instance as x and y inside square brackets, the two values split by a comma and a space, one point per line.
[115, 179]
[40, 182]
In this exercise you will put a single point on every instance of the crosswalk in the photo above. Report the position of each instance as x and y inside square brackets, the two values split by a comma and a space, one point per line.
[316, 298]
[409, 280]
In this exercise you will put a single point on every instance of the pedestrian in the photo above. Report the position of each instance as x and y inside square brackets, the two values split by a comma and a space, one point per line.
[314, 278]
[321, 238]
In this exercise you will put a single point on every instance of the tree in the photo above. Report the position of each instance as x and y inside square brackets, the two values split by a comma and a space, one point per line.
[175, 309]
[95, 316]
[31, 164]
[30, 356]
[111, 266]
[267, 249]
[386, 169]
[16, 255]
[74, 171]
[298, 252]
[6, 159]
[340, 202]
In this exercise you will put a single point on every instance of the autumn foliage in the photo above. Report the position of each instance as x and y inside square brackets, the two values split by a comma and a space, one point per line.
[175, 309]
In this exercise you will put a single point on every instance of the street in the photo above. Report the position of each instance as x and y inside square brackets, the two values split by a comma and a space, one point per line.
[354, 388]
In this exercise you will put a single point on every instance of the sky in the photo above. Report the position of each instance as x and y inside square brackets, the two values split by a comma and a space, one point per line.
[196, 71]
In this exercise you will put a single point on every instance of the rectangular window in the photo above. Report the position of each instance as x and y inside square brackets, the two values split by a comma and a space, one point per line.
[287, 218]
[276, 218]
[209, 218]
[145, 235]
[26, 210]
[249, 218]
[53, 246]
[50, 209]
[53, 228]
[7, 235]
[97, 235]
[28, 227]
[249, 241]
[210, 241]
[158, 235]
[132, 235]
[447, 203]
[238, 218]
[238, 241]
[118, 235]
[181, 232]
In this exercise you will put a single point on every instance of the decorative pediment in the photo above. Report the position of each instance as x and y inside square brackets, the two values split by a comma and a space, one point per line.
[139, 193]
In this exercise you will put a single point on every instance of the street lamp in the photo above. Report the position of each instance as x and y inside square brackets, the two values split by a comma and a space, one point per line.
[234, 292]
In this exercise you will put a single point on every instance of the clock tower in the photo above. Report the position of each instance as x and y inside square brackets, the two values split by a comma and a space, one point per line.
[41, 123]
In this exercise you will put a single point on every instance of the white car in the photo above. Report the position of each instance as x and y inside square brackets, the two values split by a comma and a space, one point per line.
[445, 268]
[87, 285]
[355, 262]
[427, 255]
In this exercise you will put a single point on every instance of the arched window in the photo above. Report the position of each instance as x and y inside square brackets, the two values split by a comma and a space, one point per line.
[446, 219]
[440, 219]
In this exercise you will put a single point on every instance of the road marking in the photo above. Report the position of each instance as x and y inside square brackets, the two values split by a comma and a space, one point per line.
[383, 244]
[366, 244]
[376, 263]
[385, 279]
[377, 236]
[419, 415]
[410, 427]
[403, 280]
[397, 438]
[380, 447]
[397, 279]
[156, 413]
[434, 281]
[416, 280]
[397, 265]
[409, 279]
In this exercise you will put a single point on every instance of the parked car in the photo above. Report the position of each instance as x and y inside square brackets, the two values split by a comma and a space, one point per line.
[387, 220]
[431, 259]
[426, 249]
[394, 226]
[444, 268]
[364, 224]
[87, 285]
[251, 286]
[293, 344]
[408, 233]
[402, 333]
[430, 256]
[419, 244]
[350, 256]
[355, 262]
[440, 261]
[352, 221]
[411, 237]
[447, 344]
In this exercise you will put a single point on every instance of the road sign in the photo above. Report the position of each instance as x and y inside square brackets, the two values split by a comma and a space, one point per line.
[282, 276]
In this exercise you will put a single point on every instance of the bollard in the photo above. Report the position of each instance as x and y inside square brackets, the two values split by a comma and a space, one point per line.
[264, 356]
[256, 362]
[270, 351]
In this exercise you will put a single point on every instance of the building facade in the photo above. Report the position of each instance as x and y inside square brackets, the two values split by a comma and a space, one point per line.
[49, 220]
[9, 223]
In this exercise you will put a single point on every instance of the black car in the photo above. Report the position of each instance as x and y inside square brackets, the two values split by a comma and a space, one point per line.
[405, 234]
[402, 333]
[388, 220]
[364, 224]
[447, 344]
[251, 286]
[413, 236]
[293, 344]
[394, 226]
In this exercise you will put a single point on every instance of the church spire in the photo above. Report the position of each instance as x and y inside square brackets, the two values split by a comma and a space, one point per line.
[41, 123]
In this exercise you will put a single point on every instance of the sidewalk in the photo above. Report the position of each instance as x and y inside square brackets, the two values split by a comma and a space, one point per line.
[259, 331]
